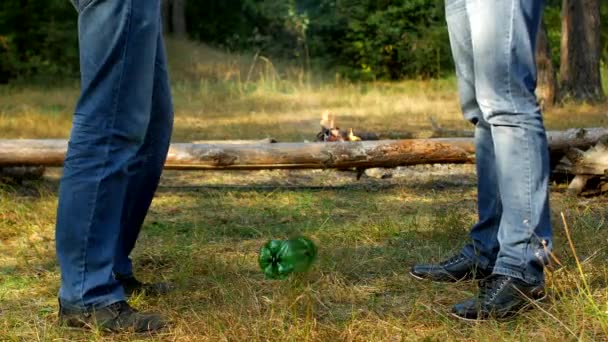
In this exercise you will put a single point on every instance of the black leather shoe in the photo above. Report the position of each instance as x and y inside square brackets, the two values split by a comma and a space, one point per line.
[132, 286]
[499, 297]
[117, 317]
[456, 268]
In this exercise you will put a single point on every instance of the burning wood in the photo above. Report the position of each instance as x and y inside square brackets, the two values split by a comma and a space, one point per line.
[331, 133]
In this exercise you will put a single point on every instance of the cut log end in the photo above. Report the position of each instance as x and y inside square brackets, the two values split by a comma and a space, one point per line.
[578, 184]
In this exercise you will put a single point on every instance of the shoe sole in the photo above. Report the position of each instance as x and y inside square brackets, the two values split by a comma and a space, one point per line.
[451, 281]
[504, 318]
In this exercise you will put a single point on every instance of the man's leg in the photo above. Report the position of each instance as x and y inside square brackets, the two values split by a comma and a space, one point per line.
[504, 36]
[118, 41]
[504, 39]
[484, 246]
[478, 257]
[149, 163]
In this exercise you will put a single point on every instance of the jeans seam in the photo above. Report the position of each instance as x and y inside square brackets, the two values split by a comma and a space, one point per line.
[510, 55]
[529, 214]
[119, 84]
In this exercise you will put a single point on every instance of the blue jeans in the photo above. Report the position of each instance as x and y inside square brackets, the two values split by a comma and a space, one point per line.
[493, 45]
[118, 145]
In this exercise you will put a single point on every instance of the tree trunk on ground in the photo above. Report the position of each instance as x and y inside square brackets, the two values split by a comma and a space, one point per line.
[580, 50]
[264, 156]
[591, 162]
[21, 173]
[547, 80]
[179, 18]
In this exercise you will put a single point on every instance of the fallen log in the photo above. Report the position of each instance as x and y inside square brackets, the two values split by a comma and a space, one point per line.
[589, 168]
[21, 173]
[591, 162]
[237, 142]
[259, 156]
[337, 155]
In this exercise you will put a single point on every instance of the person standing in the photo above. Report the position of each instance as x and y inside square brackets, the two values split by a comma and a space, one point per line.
[493, 46]
[118, 145]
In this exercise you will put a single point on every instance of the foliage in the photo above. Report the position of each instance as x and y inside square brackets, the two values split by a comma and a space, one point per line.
[394, 39]
[362, 39]
[367, 38]
[37, 38]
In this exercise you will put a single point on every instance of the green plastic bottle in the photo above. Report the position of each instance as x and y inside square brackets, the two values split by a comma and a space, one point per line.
[280, 258]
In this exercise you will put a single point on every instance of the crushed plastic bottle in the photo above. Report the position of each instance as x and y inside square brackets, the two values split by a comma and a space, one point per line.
[279, 258]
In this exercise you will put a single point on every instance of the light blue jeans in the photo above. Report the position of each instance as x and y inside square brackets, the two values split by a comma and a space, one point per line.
[119, 141]
[493, 45]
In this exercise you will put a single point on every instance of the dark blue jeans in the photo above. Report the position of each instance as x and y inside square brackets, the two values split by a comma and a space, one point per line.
[119, 141]
[493, 44]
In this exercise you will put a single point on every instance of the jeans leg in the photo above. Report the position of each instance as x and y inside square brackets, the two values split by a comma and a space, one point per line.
[149, 162]
[503, 37]
[118, 41]
[484, 246]
[484, 233]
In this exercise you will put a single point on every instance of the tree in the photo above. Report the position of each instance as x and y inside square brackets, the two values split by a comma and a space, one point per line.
[581, 50]
[547, 80]
[174, 17]
[166, 15]
[179, 18]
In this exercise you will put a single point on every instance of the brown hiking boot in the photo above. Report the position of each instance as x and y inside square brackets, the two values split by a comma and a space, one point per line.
[117, 317]
[133, 286]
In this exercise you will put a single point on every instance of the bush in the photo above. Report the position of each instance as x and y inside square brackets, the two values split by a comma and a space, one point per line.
[369, 39]
[395, 39]
[362, 39]
[38, 39]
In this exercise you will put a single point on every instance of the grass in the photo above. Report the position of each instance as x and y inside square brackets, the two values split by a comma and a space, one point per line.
[204, 229]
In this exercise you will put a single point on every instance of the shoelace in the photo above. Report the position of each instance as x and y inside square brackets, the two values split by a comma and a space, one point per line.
[452, 260]
[489, 288]
[122, 307]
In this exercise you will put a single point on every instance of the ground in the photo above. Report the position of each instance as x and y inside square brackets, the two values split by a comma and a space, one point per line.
[204, 229]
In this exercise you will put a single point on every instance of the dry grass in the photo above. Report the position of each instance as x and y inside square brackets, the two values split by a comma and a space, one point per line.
[204, 229]
[221, 96]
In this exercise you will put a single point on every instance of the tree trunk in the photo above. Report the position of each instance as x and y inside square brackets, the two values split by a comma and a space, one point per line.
[580, 60]
[547, 80]
[166, 15]
[179, 18]
[339, 155]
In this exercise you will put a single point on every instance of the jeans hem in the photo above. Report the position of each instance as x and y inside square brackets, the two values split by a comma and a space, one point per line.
[106, 301]
[530, 279]
[121, 275]
[481, 261]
